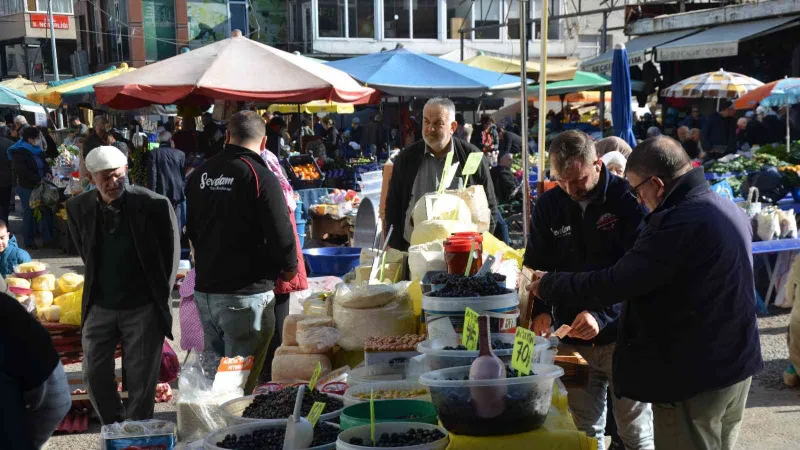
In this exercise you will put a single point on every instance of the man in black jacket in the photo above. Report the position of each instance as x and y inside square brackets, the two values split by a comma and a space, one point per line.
[243, 240]
[510, 142]
[166, 173]
[587, 222]
[418, 170]
[719, 131]
[688, 340]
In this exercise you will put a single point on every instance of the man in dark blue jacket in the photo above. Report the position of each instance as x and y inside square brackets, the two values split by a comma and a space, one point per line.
[588, 222]
[719, 130]
[688, 340]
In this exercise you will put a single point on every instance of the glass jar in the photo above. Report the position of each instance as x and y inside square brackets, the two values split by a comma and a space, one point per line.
[456, 255]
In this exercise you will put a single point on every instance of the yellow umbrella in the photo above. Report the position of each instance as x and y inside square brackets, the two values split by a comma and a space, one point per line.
[557, 70]
[23, 84]
[52, 96]
[317, 106]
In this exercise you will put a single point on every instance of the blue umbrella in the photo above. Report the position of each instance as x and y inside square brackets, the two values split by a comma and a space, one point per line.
[400, 72]
[621, 114]
[15, 99]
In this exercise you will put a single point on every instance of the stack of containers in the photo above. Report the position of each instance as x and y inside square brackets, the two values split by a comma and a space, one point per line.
[370, 183]
[300, 221]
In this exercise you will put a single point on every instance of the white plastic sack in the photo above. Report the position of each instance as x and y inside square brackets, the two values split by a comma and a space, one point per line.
[441, 207]
[317, 339]
[768, 225]
[788, 224]
[475, 198]
[426, 257]
[395, 318]
[197, 404]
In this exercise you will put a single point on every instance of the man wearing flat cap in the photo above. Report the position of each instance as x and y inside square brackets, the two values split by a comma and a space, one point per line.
[127, 237]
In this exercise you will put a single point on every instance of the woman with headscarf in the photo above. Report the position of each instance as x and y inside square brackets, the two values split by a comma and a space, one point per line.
[615, 163]
[611, 144]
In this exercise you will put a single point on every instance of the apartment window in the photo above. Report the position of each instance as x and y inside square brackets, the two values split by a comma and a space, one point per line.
[238, 17]
[330, 18]
[553, 26]
[59, 6]
[458, 16]
[513, 19]
[115, 29]
[361, 18]
[8, 7]
[426, 19]
[396, 19]
[487, 12]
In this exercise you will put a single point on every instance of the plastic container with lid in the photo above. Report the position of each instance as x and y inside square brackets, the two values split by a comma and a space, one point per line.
[210, 441]
[527, 401]
[351, 397]
[232, 411]
[363, 432]
[467, 235]
[439, 358]
[376, 373]
[456, 255]
[417, 411]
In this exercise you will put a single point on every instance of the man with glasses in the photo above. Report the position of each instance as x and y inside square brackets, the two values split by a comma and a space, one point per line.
[688, 340]
[418, 170]
[587, 222]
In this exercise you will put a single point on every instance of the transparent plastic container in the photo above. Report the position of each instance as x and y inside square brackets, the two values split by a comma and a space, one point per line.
[363, 432]
[527, 400]
[375, 374]
[351, 396]
[438, 358]
[368, 187]
[232, 410]
[210, 441]
[376, 175]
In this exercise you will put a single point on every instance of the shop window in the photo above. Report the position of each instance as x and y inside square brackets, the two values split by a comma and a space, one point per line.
[59, 6]
[458, 15]
[238, 19]
[361, 18]
[426, 19]
[8, 7]
[396, 19]
[330, 18]
[487, 12]
[116, 31]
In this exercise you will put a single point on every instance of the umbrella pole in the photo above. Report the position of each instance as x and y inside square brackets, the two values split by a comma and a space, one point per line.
[542, 100]
[523, 118]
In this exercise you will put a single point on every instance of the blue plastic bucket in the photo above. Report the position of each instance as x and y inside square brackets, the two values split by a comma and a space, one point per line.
[301, 231]
[335, 261]
[298, 212]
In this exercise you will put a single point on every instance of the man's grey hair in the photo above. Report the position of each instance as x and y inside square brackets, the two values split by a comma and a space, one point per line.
[653, 132]
[569, 147]
[164, 137]
[445, 103]
[20, 120]
[661, 157]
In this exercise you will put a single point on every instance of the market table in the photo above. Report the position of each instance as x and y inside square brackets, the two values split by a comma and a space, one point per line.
[327, 225]
[762, 250]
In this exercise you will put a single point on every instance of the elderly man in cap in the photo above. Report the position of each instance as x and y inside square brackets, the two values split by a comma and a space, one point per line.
[127, 237]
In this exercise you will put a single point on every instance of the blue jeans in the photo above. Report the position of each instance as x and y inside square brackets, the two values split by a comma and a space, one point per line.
[29, 223]
[588, 404]
[501, 230]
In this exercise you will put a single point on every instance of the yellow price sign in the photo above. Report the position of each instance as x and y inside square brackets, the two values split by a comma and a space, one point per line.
[316, 411]
[473, 162]
[315, 376]
[523, 351]
[469, 335]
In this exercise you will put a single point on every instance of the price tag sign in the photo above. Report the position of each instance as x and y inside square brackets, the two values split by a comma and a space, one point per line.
[446, 173]
[316, 411]
[315, 377]
[469, 336]
[523, 351]
[472, 164]
[372, 415]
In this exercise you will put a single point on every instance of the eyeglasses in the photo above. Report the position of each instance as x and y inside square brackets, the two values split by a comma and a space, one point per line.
[634, 191]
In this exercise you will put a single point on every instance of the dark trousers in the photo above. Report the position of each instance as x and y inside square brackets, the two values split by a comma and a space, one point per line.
[281, 312]
[6, 195]
[142, 342]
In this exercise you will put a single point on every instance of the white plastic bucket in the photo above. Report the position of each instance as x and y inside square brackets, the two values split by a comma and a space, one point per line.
[502, 310]
[363, 432]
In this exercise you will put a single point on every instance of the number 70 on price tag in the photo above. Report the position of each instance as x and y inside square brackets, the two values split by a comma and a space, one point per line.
[523, 351]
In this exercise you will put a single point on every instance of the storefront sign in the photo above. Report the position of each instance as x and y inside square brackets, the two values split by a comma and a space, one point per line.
[605, 65]
[717, 50]
[39, 20]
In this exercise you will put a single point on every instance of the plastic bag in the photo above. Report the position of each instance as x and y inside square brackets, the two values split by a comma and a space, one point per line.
[170, 366]
[724, 189]
[475, 198]
[198, 406]
[768, 225]
[70, 307]
[317, 339]
[138, 434]
[752, 206]
[425, 258]
[394, 318]
[788, 224]
[369, 296]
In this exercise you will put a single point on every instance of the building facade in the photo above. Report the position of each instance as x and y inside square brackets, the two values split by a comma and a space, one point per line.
[25, 38]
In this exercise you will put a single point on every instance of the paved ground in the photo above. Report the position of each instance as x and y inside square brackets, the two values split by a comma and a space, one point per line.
[771, 420]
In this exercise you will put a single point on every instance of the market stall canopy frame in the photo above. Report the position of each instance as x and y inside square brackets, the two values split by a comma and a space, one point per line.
[721, 41]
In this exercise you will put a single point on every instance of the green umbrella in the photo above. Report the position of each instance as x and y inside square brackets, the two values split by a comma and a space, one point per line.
[583, 81]
[12, 98]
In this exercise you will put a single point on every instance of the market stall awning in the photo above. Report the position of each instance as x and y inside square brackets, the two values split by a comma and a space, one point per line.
[557, 70]
[12, 98]
[52, 95]
[583, 81]
[23, 84]
[400, 72]
[637, 49]
[721, 41]
[234, 69]
[319, 106]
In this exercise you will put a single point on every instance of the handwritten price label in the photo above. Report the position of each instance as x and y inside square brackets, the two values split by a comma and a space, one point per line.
[315, 377]
[473, 162]
[523, 351]
[316, 411]
[469, 336]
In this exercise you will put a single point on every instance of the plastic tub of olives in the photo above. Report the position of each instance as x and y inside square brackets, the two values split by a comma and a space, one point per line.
[387, 390]
[363, 433]
[232, 410]
[210, 442]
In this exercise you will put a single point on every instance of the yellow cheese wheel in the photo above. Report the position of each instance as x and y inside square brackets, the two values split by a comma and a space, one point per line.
[70, 282]
[46, 282]
[33, 266]
[42, 299]
[18, 282]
